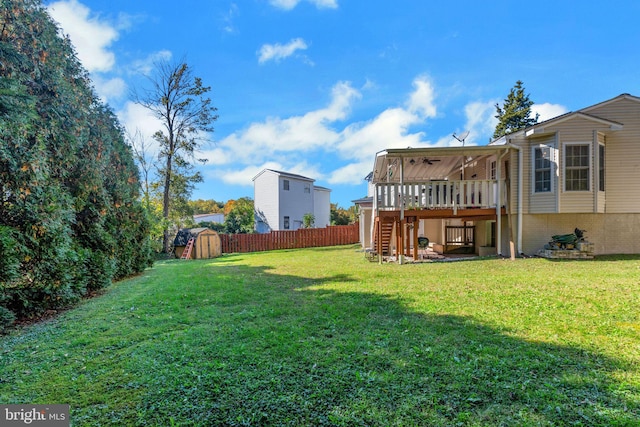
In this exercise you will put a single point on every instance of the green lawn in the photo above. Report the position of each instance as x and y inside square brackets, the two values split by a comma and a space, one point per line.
[323, 337]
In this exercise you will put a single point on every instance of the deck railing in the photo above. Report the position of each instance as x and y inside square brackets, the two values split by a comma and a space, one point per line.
[439, 195]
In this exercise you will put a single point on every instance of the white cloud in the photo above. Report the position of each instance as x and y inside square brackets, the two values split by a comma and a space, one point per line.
[244, 176]
[290, 4]
[548, 111]
[229, 17]
[146, 65]
[330, 4]
[315, 132]
[387, 130]
[277, 52]
[481, 122]
[293, 143]
[353, 173]
[303, 133]
[91, 36]
[422, 99]
[109, 89]
[215, 156]
[136, 118]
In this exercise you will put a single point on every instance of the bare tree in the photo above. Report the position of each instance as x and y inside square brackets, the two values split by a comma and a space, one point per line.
[141, 154]
[179, 100]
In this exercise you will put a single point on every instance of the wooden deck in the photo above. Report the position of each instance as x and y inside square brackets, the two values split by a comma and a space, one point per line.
[388, 221]
[466, 214]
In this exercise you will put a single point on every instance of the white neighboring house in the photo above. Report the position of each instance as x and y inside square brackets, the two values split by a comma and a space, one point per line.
[282, 199]
[212, 217]
[321, 206]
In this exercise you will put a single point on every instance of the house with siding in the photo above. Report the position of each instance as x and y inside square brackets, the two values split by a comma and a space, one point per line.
[578, 170]
[217, 217]
[282, 199]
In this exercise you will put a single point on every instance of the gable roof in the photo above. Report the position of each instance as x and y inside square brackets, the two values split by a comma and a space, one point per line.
[284, 174]
[540, 128]
[584, 113]
[612, 100]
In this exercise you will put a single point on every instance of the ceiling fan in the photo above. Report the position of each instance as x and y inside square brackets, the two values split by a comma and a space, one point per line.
[428, 161]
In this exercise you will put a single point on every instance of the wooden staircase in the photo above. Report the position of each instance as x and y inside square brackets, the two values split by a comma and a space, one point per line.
[383, 229]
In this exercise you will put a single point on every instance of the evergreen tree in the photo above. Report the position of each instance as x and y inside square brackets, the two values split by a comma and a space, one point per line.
[515, 113]
[70, 218]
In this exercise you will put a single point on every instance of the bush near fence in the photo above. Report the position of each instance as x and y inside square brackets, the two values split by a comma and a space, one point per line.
[289, 239]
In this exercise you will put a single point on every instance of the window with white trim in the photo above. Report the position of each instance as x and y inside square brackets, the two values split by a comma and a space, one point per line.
[576, 167]
[542, 169]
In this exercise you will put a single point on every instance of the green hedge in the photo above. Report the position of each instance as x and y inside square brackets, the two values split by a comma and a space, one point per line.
[70, 217]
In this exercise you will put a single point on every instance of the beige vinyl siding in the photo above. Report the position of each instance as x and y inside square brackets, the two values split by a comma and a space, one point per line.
[610, 233]
[611, 217]
[622, 155]
[577, 131]
[540, 202]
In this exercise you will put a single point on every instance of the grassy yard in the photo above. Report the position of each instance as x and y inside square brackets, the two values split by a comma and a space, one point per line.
[322, 337]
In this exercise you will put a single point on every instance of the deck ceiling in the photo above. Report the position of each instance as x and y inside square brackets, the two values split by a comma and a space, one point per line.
[421, 165]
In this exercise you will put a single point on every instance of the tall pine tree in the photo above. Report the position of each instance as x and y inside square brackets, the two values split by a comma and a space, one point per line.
[515, 113]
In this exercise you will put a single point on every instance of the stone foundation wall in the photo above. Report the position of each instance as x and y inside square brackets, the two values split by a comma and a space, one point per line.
[584, 250]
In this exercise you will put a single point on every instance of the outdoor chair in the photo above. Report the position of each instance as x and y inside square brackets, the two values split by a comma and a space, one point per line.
[423, 244]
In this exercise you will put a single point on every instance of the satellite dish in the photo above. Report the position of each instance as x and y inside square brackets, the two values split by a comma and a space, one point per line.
[462, 136]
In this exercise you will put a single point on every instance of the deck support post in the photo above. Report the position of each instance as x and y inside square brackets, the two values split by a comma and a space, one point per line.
[400, 248]
[415, 240]
[379, 240]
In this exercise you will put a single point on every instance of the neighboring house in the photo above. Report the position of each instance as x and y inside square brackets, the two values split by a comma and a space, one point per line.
[578, 170]
[282, 199]
[212, 217]
[365, 213]
[321, 206]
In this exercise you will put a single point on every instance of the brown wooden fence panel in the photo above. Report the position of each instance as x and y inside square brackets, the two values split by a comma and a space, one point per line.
[286, 239]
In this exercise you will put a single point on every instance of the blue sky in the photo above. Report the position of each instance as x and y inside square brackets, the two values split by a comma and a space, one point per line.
[317, 87]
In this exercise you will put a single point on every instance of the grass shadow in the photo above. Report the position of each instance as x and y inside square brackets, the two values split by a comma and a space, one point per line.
[303, 354]
[236, 344]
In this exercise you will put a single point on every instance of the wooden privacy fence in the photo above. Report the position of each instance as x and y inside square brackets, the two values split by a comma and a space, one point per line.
[302, 238]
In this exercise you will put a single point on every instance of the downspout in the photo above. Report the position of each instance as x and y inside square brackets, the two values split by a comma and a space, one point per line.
[520, 197]
[499, 204]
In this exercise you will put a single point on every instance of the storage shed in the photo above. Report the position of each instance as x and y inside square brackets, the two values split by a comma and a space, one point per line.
[206, 245]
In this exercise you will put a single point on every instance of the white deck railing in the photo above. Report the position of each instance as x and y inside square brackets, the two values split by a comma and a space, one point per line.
[439, 195]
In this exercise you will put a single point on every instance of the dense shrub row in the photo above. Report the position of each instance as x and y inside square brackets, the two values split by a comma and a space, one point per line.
[70, 218]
